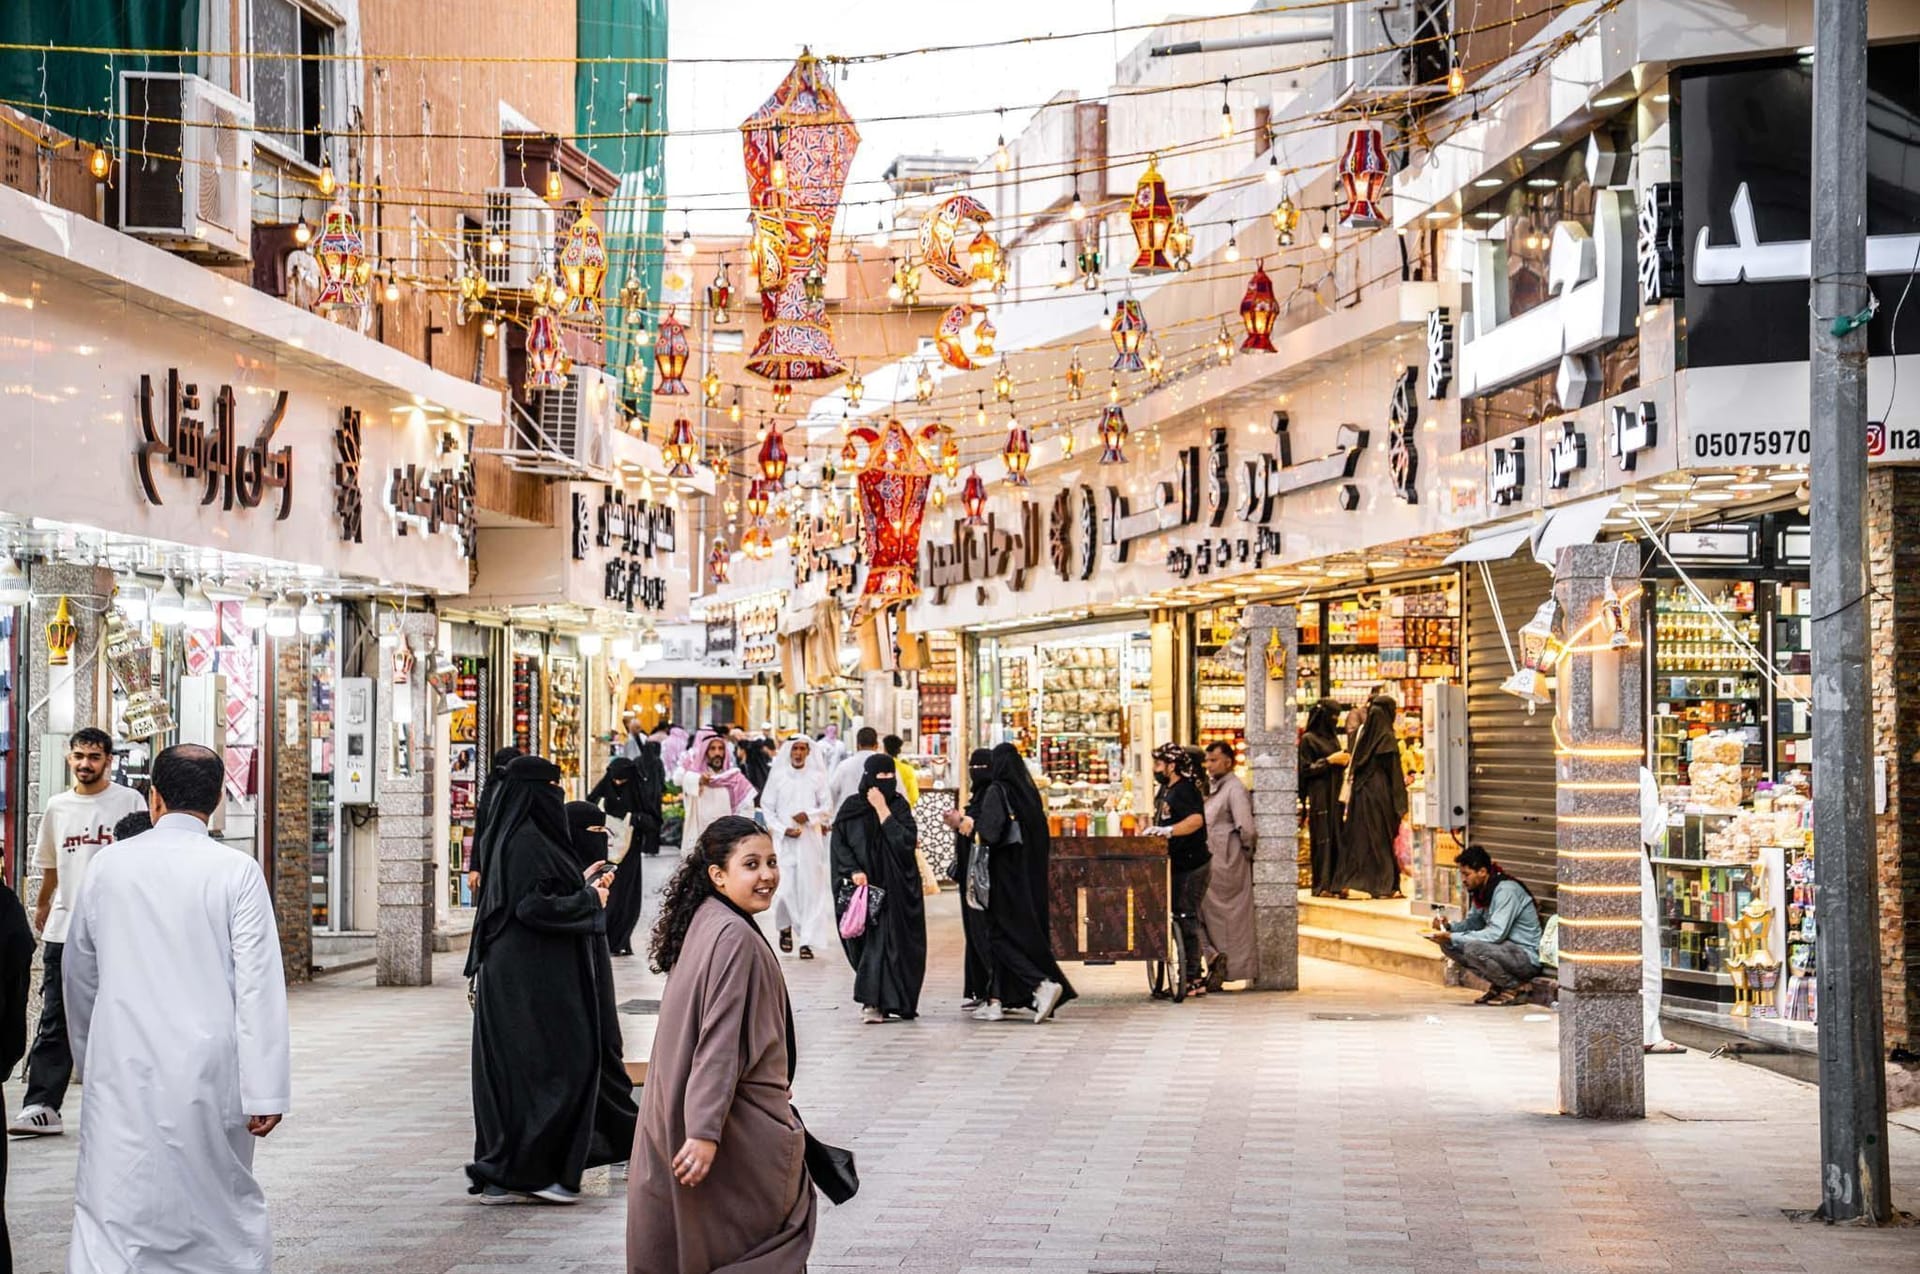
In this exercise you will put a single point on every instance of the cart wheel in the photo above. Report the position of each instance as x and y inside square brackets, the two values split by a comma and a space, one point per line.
[1167, 978]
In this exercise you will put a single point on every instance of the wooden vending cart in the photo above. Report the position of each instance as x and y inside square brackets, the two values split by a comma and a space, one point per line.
[1111, 902]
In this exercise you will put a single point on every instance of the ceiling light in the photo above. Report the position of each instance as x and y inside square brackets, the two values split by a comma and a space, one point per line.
[1805, 50]
[1709, 479]
[1663, 98]
[313, 619]
[621, 648]
[282, 619]
[1671, 485]
[130, 596]
[1542, 183]
[1787, 475]
[1714, 497]
[1546, 143]
[1611, 99]
[589, 643]
[253, 610]
[1439, 214]
[1488, 215]
[167, 606]
[1488, 183]
[1750, 486]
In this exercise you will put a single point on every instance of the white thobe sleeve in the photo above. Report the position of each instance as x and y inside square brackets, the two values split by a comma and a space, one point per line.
[259, 1001]
[80, 980]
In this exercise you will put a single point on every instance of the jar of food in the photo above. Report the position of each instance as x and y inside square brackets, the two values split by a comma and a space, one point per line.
[1129, 824]
[1054, 822]
[1080, 823]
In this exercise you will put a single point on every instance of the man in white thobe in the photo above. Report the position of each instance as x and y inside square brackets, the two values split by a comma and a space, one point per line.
[177, 1009]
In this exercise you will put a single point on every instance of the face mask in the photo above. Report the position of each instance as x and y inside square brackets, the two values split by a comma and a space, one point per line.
[979, 774]
[886, 787]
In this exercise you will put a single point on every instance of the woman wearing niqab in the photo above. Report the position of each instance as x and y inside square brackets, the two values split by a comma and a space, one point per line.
[1375, 806]
[890, 958]
[536, 1019]
[1323, 763]
[977, 975]
[1012, 825]
[622, 793]
[483, 815]
[614, 1110]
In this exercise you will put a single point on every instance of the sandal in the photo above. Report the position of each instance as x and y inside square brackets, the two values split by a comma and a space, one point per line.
[786, 939]
[1216, 973]
[806, 953]
[1490, 996]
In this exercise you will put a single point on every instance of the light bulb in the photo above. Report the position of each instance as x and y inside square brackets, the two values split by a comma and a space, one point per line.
[313, 619]
[893, 292]
[650, 647]
[302, 233]
[553, 185]
[1079, 210]
[1001, 159]
[488, 327]
[1273, 168]
[589, 643]
[1456, 81]
[621, 648]
[282, 619]
[496, 246]
[392, 290]
[879, 237]
[687, 248]
[130, 595]
[1326, 238]
[253, 610]
[1233, 249]
[168, 606]
[1226, 122]
[327, 183]
[100, 163]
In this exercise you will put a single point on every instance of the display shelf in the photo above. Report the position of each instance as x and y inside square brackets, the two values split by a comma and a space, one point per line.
[1696, 975]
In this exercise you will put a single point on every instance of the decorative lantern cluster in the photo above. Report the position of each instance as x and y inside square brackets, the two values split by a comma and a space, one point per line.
[545, 356]
[1258, 310]
[670, 355]
[1129, 331]
[583, 264]
[344, 268]
[679, 450]
[1363, 176]
[1113, 435]
[1152, 217]
[1018, 454]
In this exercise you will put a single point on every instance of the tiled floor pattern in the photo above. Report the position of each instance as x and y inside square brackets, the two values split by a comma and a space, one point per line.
[1248, 1133]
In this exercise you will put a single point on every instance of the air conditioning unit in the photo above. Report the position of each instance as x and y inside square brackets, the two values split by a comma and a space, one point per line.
[522, 223]
[579, 420]
[1389, 49]
[187, 181]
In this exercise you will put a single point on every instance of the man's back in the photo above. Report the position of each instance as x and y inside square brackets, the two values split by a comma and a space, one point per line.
[847, 776]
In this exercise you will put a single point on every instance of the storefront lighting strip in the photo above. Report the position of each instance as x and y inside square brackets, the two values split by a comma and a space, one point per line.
[1578, 956]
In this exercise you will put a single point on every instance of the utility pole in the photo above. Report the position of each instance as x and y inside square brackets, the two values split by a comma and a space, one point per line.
[1853, 1084]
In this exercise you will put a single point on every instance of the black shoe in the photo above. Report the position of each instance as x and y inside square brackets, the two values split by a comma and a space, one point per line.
[786, 939]
[1216, 973]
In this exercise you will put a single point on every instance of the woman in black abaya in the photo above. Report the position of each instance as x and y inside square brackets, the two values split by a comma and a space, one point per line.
[615, 1112]
[652, 792]
[536, 1018]
[873, 843]
[483, 817]
[1375, 805]
[621, 793]
[977, 974]
[1323, 763]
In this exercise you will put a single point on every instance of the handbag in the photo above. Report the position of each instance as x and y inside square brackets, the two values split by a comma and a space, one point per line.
[979, 878]
[831, 1168]
[859, 904]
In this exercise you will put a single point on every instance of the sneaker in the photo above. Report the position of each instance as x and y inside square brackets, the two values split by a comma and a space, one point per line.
[495, 1194]
[557, 1193]
[1046, 998]
[36, 1121]
[872, 1017]
[990, 1012]
[971, 1003]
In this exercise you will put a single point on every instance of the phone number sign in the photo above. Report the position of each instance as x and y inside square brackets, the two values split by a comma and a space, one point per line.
[1738, 445]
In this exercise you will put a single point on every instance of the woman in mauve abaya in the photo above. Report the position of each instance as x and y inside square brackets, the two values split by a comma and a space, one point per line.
[614, 1113]
[1323, 763]
[718, 1178]
[873, 842]
[1376, 803]
[536, 1013]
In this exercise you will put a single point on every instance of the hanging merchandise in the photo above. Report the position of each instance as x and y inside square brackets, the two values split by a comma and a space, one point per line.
[798, 148]
[1017, 454]
[544, 352]
[670, 355]
[720, 296]
[61, 634]
[1152, 217]
[1223, 345]
[773, 461]
[940, 238]
[130, 659]
[1613, 617]
[1363, 177]
[973, 498]
[1113, 435]
[964, 339]
[1129, 330]
[892, 490]
[583, 264]
[1539, 651]
[344, 266]
[678, 451]
[1258, 310]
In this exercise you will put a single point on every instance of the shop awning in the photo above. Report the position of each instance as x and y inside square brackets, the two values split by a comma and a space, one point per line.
[1568, 526]
[1494, 546]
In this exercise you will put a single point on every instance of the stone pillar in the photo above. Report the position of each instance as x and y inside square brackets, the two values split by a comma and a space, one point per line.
[288, 727]
[1273, 754]
[66, 698]
[403, 787]
[1600, 701]
[1893, 598]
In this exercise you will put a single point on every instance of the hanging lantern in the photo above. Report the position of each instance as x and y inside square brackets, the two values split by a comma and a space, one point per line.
[1258, 310]
[814, 284]
[718, 563]
[856, 388]
[757, 498]
[1180, 244]
[1129, 330]
[906, 277]
[937, 497]
[718, 461]
[544, 353]
[1003, 383]
[1155, 366]
[61, 633]
[583, 264]
[923, 385]
[670, 355]
[973, 497]
[1152, 218]
[1613, 616]
[1286, 219]
[1076, 378]
[983, 254]
[636, 373]
[678, 451]
[950, 456]
[985, 334]
[1089, 261]
[1066, 442]
[473, 284]
[633, 294]
[731, 506]
[1223, 346]
[1539, 651]
[940, 238]
[1363, 176]
[710, 387]
[1018, 454]
[773, 461]
[782, 395]
[344, 267]
[720, 296]
[1113, 435]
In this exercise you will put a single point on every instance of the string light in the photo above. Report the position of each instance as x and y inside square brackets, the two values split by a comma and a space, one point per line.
[100, 163]
[1233, 243]
[1274, 176]
[1226, 111]
[554, 190]
[1326, 232]
[1078, 211]
[302, 232]
[327, 183]
[1456, 75]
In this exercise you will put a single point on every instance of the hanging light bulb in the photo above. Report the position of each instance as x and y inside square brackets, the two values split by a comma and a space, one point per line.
[621, 647]
[129, 595]
[253, 610]
[553, 184]
[1079, 210]
[282, 619]
[1113, 390]
[1156, 367]
[1226, 112]
[496, 245]
[302, 232]
[777, 166]
[938, 496]
[1326, 233]
[589, 643]
[649, 647]
[1064, 275]
[489, 326]
[100, 163]
[327, 183]
[1273, 167]
[950, 456]
[391, 292]
[734, 410]
[313, 617]
[710, 387]
[168, 606]
[894, 293]
[1233, 243]
[687, 248]
[1456, 75]
[1002, 160]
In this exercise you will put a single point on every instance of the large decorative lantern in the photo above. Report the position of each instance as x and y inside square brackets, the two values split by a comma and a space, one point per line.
[773, 460]
[1258, 310]
[940, 239]
[678, 451]
[583, 264]
[973, 498]
[342, 254]
[1113, 435]
[1286, 219]
[1018, 454]
[544, 353]
[964, 338]
[1539, 651]
[1152, 218]
[670, 355]
[757, 498]
[892, 490]
[1129, 335]
[1363, 175]
[798, 148]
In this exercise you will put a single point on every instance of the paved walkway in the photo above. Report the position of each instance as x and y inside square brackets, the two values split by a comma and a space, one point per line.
[1367, 1124]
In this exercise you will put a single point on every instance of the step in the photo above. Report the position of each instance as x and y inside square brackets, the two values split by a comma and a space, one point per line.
[1413, 958]
[1374, 920]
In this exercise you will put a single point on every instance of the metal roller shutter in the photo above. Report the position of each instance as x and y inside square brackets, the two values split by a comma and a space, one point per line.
[1510, 772]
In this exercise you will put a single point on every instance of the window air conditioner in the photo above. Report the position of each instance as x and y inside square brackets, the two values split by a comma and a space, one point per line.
[578, 421]
[187, 179]
[1373, 43]
[522, 222]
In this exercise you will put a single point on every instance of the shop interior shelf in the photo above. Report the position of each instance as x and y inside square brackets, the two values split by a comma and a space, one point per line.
[1697, 975]
[1735, 671]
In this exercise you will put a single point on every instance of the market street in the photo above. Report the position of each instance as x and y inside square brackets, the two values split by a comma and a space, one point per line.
[1368, 1123]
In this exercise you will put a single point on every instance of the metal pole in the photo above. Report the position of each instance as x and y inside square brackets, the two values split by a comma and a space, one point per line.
[1853, 1093]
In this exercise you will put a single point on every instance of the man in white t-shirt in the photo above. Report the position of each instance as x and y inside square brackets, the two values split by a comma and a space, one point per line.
[77, 823]
[845, 779]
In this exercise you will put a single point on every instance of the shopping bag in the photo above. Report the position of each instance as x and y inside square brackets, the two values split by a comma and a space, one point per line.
[1403, 848]
[859, 904]
[619, 837]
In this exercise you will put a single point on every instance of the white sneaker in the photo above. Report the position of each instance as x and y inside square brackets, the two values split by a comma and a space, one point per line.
[990, 1012]
[971, 1003]
[36, 1121]
[1046, 998]
[872, 1017]
[557, 1193]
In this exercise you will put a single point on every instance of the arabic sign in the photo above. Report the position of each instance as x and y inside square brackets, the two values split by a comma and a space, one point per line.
[231, 470]
[1746, 147]
[348, 507]
[979, 555]
[434, 500]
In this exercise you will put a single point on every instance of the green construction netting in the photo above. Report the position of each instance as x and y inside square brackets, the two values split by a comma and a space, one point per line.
[78, 88]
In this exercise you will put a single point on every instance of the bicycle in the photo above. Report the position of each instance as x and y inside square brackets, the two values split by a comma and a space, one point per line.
[1168, 978]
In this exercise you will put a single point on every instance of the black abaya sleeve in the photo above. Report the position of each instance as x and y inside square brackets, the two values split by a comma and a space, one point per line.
[902, 832]
[995, 818]
[16, 975]
[557, 912]
[600, 789]
[849, 850]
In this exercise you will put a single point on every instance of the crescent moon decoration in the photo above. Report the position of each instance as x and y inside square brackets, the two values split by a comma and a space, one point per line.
[940, 238]
[964, 336]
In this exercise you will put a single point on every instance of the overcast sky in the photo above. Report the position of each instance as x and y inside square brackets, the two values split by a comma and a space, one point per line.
[705, 171]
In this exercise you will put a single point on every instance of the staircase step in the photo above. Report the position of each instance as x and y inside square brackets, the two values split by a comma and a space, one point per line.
[1361, 919]
[1413, 958]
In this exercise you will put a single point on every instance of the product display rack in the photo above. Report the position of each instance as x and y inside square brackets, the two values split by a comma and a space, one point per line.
[938, 682]
[1220, 690]
[323, 819]
[467, 732]
[528, 702]
[1702, 679]
[564, 691]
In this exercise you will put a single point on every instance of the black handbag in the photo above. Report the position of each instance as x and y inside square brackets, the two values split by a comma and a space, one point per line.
[831, 1168]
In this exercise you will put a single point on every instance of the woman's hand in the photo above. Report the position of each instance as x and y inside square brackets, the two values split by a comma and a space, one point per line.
[953, 819]
[859, 878]
[602, 886]
[694, 1162]
[792, 833]
[879, 804]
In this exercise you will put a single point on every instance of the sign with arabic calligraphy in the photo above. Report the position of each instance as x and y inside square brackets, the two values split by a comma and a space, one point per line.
[1745, 179]
[434, 500]
[231, 471]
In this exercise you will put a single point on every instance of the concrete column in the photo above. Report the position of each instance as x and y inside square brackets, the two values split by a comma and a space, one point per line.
[1600, 702]
[404, 787]
[287, 725]
[1273, 754]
